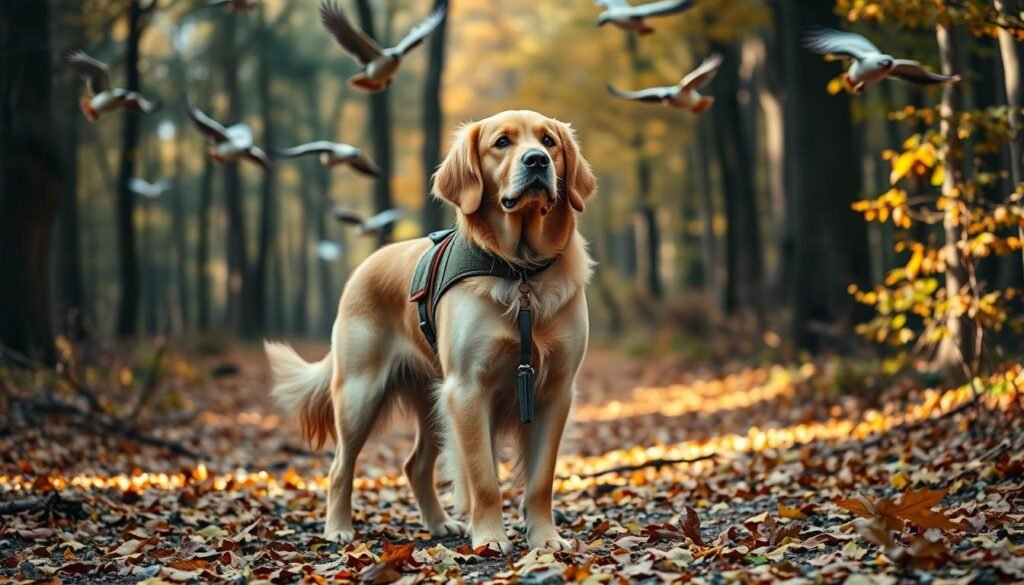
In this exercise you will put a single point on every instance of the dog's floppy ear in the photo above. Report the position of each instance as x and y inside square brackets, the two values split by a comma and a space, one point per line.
[458, 179]
[579, 182]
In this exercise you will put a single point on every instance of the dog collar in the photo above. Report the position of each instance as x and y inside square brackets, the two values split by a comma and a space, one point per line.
[451, 259]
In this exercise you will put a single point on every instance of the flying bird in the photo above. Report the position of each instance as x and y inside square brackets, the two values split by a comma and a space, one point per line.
[328, 251]
[683, 95]
[227, 144]
[100, 97]
[628, 17]
[334, 153]
[379, 65]
[870, 64]
[234, 5]
[366, 226]
[149, 190]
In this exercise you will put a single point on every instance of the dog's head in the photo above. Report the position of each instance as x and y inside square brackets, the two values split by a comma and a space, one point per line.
[517, 175]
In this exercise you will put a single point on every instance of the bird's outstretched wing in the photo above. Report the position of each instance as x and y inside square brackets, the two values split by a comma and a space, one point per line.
[217, 2]
[704, 72]
[829, 41]
[663, 8]
[135, 101]
[207, 125]
[913, 72]
[652, 95]
[255, 154]
[362, 163]
[354, 41]
[96, 73]
[422, 30]
[347, 216]
[140, 186]
[316, 147]
[609, 4]
[383, 219]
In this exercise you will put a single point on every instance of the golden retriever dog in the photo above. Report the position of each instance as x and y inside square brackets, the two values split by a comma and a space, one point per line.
[517, 181]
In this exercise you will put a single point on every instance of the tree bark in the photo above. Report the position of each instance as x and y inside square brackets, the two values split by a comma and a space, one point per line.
[433, 123]
[1009, 52]
[238, 272]
[300, 317]
[203, 247]
[827, 250]
[743, 277]
[648, 242]
[706, 209]
[380, 129]
[957, 347]
[29, 178]
[128, 261]
[256, 314]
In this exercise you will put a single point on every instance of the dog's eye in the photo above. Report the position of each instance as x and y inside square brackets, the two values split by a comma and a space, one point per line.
[502, 142]
[547, 140]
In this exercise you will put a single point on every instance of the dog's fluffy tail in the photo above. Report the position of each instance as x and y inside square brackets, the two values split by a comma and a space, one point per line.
[303, 389]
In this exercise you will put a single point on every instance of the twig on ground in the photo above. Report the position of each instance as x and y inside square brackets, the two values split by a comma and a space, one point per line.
[117, 427]
[50, 502]
[653, 463]
[24, 361]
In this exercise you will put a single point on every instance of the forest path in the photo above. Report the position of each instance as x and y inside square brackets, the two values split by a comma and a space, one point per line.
[778, 447]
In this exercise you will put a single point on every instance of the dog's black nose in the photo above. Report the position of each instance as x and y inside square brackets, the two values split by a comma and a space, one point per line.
[536, 159]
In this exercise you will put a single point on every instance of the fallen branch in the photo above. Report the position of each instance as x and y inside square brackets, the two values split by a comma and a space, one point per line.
[149, 386]
[52, 501]
[26, 362]
[653, 463]
[115, 427]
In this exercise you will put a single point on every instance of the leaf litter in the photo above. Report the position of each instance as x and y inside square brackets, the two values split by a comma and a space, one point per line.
[796, 482]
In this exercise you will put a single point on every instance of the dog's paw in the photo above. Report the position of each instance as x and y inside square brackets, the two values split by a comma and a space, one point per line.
[448, 527]
[552, 544]
[340, 536]
[503, 546]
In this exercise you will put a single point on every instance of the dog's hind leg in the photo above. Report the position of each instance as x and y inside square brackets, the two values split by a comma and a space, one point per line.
[357, 404]
[419, 469]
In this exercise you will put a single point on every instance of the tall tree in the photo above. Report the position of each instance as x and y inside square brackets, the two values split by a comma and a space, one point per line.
[433, 121]
[203, 247]
[238, 269]
[29, 185]
[1009, 52]
[828, 243]
[69, 290]
[646, 218]
[256, 310]
[743, 272]
[380, 128]
[128, 261]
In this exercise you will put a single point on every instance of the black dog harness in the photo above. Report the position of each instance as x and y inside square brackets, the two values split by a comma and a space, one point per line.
[451, 259]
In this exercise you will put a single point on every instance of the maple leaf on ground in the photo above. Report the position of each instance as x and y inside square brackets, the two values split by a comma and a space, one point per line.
[912, 506]
[399, 555]
[690, 523]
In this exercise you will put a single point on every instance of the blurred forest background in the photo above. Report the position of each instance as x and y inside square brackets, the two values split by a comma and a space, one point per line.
[734, 226]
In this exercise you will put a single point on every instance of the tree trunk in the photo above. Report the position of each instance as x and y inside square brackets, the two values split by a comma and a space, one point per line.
[957, 347]
[70, 290]
[29, 183]
[1010, 54]
[648, 241]
[827, 250]
[706, 209]
[433, 122]
[179, 227]
[380, 128]
[238, 273]
[256, 311]
[300, 318]
[743, 278]
[128, 305]
[203, 247]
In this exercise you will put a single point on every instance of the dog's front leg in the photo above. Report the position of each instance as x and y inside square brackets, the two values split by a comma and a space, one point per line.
[469, 414]
[540, 441]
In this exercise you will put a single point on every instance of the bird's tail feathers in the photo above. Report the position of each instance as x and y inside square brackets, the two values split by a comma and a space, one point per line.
[703, 104]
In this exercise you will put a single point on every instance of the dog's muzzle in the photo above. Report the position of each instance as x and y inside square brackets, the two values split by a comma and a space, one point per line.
[535, 177]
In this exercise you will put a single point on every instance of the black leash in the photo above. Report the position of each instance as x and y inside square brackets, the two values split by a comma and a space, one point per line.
[526, 374]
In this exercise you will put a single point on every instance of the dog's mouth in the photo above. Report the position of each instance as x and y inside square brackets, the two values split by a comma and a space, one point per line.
[536, 188]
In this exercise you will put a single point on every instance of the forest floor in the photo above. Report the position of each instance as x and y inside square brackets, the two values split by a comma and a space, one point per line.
[825, 472]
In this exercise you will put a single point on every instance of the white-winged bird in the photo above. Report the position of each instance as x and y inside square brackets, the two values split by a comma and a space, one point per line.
[379, 65]
[628, 17]
[101, 98]
[366, 226]
[683, 95]
[227, 144]
[334, 153]
[870, 64]
[149, 190]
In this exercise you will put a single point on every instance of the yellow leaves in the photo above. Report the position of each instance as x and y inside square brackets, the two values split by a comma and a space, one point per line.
[913, 267]
[891, 204]
[938, 175]
[919, 158]
[835, 86]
